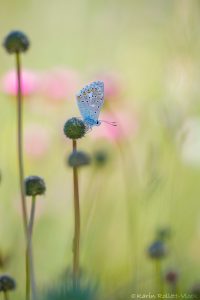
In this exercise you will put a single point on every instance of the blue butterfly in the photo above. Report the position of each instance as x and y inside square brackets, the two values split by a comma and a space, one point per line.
[90, 101]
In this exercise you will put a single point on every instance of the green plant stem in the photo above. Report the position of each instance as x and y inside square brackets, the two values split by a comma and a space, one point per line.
[32, 216]
[158, 270]
[175, 289]
[30, 249]
[21, 173]
[30, 275]
[20, 143]
[76, 241]
[6, 297]
[28, 286]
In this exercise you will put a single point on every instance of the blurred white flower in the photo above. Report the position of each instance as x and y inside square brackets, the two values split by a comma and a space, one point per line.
[182, 84]
[189, 137]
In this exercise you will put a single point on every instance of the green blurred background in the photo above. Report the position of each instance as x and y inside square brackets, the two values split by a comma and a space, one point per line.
[151, 179]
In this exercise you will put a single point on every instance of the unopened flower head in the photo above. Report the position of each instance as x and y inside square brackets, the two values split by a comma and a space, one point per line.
[74, 128]
[164, 234]
[100, 157]
[7, 283]
[16, 42]
[34, 185]
[157, 250]
[79, 159]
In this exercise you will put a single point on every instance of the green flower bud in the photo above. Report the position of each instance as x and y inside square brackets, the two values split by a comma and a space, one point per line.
[164, 234]
[7, 283]
[157, 250]
[78, 159]
[34, 185]
[16, 41]
[74, 128]
[100, 157]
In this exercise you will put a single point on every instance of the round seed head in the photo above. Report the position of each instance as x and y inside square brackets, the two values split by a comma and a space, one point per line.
[164, 233]
[100, 157]
[34, 185]
[79, 159]
[157, 250]
[74, 128]
[16, 42]
[7, 283]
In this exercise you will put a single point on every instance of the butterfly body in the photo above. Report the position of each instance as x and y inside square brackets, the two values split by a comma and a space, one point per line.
[90, 122]
[90, 101]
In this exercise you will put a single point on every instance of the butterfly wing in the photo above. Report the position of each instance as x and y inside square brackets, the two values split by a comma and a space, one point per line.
[90, 100]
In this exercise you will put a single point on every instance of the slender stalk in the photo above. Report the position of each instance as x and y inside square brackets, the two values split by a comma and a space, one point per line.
[20, 143]
[32, 217]
[6, 297]
[76, 241]
[30, 248]
[29, 273]
[174, 288]
[28, 286]
[158, 270]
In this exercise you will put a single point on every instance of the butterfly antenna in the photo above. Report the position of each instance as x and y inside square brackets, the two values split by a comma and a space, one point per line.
[110, 123]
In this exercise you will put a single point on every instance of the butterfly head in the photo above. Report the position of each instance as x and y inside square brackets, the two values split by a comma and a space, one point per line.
[98, 123]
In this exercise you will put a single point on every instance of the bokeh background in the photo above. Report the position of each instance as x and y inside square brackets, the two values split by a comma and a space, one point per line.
[147, 53]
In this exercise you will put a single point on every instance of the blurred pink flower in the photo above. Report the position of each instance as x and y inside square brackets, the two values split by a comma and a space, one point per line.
[127, 126]
[36, 140]
[59, 84]
[112, 84]
[29, 83]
